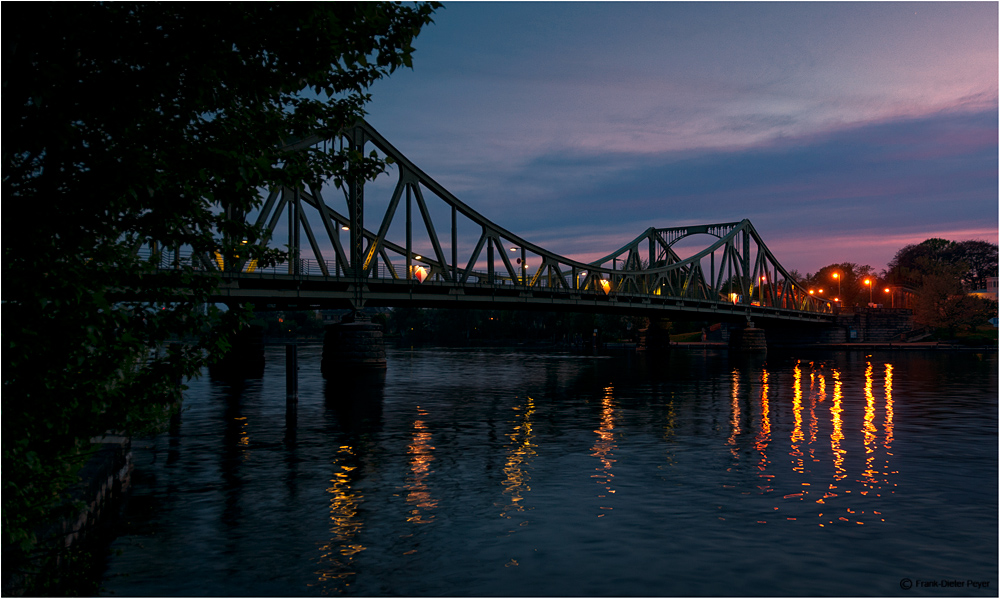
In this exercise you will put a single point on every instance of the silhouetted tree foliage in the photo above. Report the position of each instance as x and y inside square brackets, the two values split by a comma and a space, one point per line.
[941, 272]
[132, 123]
[848, 284]
[971, 261]
[941, 304]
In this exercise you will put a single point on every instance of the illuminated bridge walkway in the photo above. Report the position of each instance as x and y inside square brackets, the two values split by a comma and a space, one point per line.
[428, 248]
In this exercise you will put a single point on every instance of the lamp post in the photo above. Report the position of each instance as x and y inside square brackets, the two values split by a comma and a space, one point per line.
[892, 297]
[869, 283]
[836, 275]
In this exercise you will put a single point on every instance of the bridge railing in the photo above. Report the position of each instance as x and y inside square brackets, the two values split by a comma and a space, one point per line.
[302, 267]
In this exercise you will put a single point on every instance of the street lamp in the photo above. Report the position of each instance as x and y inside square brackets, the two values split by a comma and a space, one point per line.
[836, 275]
[892, 297]
[869, 283]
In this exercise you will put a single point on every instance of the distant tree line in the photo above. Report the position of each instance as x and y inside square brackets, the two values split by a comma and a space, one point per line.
[935, 277]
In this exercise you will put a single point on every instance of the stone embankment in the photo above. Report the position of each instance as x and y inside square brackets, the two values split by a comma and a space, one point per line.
[104, 479]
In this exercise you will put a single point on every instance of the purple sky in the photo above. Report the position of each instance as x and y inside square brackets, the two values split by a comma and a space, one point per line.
[843, 131]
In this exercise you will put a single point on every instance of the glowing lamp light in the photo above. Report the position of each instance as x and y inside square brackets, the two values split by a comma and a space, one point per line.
[733, 297]
[420, 273]
[606, 286]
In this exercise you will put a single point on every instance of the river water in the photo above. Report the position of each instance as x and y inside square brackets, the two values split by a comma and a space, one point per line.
[493, 472]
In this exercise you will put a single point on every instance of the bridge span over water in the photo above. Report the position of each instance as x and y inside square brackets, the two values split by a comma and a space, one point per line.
[428, 248]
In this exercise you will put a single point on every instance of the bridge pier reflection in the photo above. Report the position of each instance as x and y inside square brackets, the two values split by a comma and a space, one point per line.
[245, 359]
[356, 401]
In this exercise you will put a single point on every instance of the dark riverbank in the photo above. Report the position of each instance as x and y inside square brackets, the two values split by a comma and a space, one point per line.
[70, 550]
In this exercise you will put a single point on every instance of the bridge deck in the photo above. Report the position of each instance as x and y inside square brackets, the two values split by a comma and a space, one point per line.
[317, 291]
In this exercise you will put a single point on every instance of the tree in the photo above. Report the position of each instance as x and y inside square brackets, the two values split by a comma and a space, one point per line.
[131, 124]
[974, 261]
[940, 303]
[980, 261]
[913, 261]
[844, 281]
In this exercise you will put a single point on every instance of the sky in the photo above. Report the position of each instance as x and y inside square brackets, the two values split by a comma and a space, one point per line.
[843, 131]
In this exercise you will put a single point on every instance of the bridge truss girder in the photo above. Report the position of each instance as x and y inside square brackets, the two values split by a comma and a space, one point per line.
[737, 269]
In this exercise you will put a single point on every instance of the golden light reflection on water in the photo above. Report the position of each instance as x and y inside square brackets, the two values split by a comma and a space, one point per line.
[888, 407]
[244, 439]
[520, 453]
[764, 435]
[418, 494]
[837, 434]
[734, 422]
[856, 443]
[869, 430]
[604, 448]
[797, 437]
[338, 554]
[817, 393]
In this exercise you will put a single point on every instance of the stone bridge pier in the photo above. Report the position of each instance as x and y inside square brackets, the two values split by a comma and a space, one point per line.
[656, 337]
[355, 345]
[852, 325]
[748, 339]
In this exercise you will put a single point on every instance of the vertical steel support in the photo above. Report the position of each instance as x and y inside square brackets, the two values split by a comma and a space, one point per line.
[293, 221]
[745, 262]
[409, 237]
[297, 203]
[454, 244]
[524, 268]
[489, 259]
[356, 208]
[712, 266]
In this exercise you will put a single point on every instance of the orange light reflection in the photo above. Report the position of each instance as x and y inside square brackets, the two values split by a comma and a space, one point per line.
[520, 452]
[888, 407]
[421, 456]
[837, 434]
[734, 421]
[604, 447]
[339, 552]
[797, 437]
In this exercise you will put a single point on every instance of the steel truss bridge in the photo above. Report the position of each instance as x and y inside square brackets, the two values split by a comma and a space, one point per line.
[414, 257]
